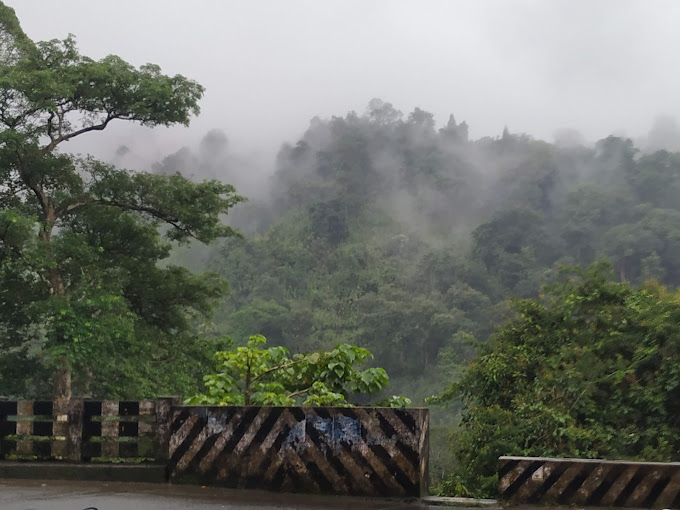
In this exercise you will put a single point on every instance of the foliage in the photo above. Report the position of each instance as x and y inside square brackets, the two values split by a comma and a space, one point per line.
[255, 375]
[379, 230]
[81, 289]
[384, 232]
[589, 370]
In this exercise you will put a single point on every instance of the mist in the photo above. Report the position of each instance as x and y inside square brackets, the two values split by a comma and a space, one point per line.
[456, 152]
[410, 168]
[268, 67]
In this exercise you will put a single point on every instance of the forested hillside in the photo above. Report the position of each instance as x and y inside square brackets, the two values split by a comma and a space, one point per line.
[383, 231]
[374, 232]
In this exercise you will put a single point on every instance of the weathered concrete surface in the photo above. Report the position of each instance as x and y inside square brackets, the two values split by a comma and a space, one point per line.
[47, 495]
[589, 482]
[379, 452]
[85, 430]
[149, 473]
[460, 502]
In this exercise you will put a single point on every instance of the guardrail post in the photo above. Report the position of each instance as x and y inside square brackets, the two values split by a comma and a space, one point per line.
[163, 418]
[110, 420]
[76, 407]
[24, 427]
[60, 429]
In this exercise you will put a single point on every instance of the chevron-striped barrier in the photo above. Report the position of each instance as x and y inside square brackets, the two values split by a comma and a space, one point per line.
[358, 451]
[589, 482]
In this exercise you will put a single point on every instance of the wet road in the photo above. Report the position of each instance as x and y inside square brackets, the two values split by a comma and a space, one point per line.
[58, 495]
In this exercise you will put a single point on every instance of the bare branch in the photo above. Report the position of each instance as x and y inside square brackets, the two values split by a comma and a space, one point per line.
[299, 392]
[64, 138]
[278, 367]
[132, 207]
[19, 254]
[37, 190]
[49, 126]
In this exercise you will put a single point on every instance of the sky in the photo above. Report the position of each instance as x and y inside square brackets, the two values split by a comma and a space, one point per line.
[269, 66]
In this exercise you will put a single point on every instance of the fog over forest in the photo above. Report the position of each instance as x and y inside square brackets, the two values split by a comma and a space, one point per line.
[414, 175]
[557, 71]
[268, 67]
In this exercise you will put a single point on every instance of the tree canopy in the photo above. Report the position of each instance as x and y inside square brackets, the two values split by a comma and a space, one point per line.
[80, 240]
[382, 231]
[255, 375]
[589, 370]
[378, 230]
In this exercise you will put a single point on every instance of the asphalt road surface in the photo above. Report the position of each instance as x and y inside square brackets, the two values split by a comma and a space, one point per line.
[58, 495]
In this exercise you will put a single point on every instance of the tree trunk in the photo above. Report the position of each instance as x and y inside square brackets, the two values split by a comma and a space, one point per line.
[62, 381]
[622, 271]
[246, 391]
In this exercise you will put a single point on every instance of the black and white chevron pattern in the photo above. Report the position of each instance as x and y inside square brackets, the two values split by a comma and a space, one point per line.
[589, 482]
[367, 451]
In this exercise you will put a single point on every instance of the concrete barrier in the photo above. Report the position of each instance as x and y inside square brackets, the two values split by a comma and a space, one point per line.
[579, 482]
[352, 451]
[85, 430]
[357, 451]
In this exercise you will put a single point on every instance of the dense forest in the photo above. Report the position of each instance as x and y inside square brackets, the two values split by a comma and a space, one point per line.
[383, 231]
[377, 231]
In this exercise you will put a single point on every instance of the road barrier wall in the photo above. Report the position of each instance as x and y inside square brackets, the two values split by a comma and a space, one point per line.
[580, 482]
[331, 450]
[82, 430]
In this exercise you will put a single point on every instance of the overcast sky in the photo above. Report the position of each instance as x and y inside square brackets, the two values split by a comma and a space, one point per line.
[598, 66]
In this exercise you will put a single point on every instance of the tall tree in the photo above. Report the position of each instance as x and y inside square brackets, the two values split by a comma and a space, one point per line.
[79, 239]
[588, 371]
